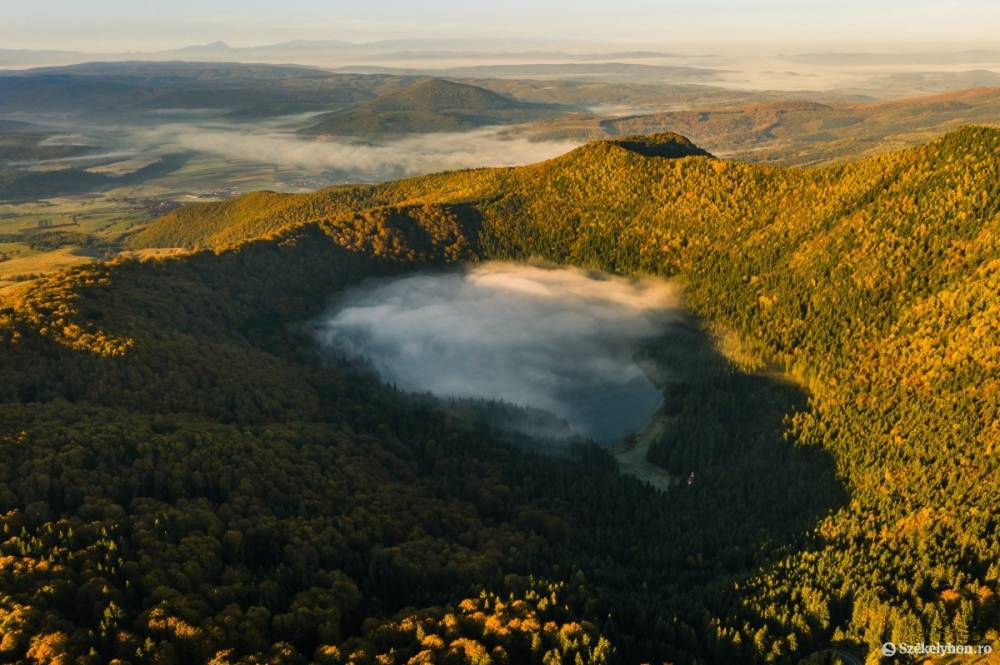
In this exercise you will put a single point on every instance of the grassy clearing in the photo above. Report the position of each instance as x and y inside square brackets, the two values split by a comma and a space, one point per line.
[33, 265]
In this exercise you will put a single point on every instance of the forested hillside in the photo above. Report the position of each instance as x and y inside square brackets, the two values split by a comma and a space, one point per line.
[799, 133]
[184, 481]
[433, 105]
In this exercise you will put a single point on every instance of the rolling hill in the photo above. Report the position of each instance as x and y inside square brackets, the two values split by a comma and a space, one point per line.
[798, 133]
[127, 89]
[184, 480]
[434, 105]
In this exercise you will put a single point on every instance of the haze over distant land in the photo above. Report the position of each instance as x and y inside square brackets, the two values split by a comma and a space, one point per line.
[845, 68]
[119, 25]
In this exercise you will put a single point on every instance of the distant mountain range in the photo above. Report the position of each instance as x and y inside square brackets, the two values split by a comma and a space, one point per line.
[603, 70]
[258, 90]
[116, 89]
[323, 50]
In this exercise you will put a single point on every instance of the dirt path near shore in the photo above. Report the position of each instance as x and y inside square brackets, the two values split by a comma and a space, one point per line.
[634, 462]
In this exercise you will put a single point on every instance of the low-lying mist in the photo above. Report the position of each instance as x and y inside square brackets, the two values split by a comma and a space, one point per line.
[356, 160]
[274, 143]
[563, 340]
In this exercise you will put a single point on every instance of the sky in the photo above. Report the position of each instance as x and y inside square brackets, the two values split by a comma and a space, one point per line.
[142, 25]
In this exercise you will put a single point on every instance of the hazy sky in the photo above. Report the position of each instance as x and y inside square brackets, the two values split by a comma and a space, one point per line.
[108, 25]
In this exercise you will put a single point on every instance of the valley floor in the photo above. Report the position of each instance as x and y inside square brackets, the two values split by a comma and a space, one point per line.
[633, 461]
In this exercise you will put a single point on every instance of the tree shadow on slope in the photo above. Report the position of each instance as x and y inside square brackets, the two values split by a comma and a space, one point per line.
[668, 567]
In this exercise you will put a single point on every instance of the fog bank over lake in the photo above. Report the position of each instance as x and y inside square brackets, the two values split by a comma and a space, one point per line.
[559, 339]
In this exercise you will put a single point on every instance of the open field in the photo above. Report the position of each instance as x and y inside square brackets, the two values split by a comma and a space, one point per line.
[32, 265]
[43, 236]
[104, 215]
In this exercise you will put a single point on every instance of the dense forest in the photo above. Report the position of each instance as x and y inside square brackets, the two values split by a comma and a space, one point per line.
[182, 479]
[433, 105]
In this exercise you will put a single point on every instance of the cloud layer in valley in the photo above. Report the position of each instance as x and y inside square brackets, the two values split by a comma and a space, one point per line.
[563, 340]
[354, 160]
[274, 143]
